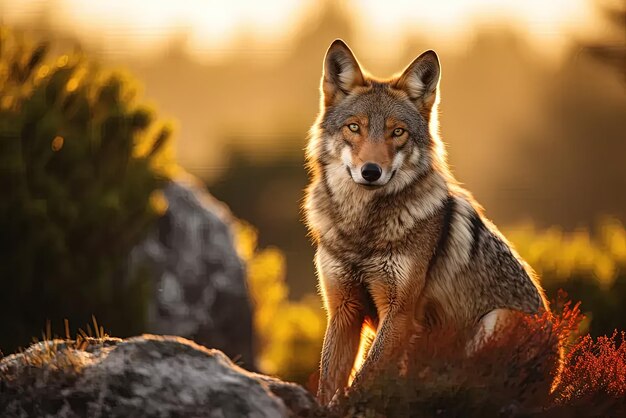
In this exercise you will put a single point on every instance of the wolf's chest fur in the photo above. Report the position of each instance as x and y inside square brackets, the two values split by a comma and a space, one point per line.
[340, 212]
[372, 240]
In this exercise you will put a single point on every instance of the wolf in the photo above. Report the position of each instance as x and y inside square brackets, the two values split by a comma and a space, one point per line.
[399, 242]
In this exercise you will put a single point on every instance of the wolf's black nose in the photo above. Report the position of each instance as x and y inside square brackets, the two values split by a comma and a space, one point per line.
[371, 172]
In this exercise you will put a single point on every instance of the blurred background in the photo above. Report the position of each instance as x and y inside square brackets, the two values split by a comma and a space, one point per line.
[106, 212]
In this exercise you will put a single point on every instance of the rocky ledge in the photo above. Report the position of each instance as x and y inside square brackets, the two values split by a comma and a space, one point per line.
[146, 376]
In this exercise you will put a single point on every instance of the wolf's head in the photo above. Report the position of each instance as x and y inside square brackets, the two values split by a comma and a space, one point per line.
[375, 133]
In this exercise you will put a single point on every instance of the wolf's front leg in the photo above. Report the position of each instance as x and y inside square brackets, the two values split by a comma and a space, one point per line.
[391, 338]
[341, 341]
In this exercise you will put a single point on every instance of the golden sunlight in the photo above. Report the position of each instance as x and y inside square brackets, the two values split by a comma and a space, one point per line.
[210, 29]
[367, 338]
[546, 22]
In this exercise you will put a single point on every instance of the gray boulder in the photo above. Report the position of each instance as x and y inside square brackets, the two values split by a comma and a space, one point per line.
[147, 376]
[200, 288]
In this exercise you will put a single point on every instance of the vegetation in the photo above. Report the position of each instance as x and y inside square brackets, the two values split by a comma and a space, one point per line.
[81, 164]
[511, 376]
[590, 267]
[289, 332]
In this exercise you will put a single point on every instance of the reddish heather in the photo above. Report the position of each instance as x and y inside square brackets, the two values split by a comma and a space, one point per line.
[537, 366]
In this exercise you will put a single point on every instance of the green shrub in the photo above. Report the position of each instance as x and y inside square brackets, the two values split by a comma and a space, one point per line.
[289, 332]
[589, 265]
[81, 166]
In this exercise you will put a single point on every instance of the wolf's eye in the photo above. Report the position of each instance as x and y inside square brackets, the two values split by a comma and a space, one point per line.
[398, 132]
[353, 127]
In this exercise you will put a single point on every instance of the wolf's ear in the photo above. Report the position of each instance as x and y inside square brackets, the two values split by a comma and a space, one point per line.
[420, 79]
[341, 73]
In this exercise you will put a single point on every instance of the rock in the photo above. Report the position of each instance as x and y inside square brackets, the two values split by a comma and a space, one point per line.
[200, 284]
[147, 376]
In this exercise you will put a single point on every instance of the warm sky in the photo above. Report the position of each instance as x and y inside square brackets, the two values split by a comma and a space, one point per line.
[212, 26]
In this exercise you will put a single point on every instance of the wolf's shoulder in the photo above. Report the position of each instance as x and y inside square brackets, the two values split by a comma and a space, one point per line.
[475, 240]
[494, 261]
